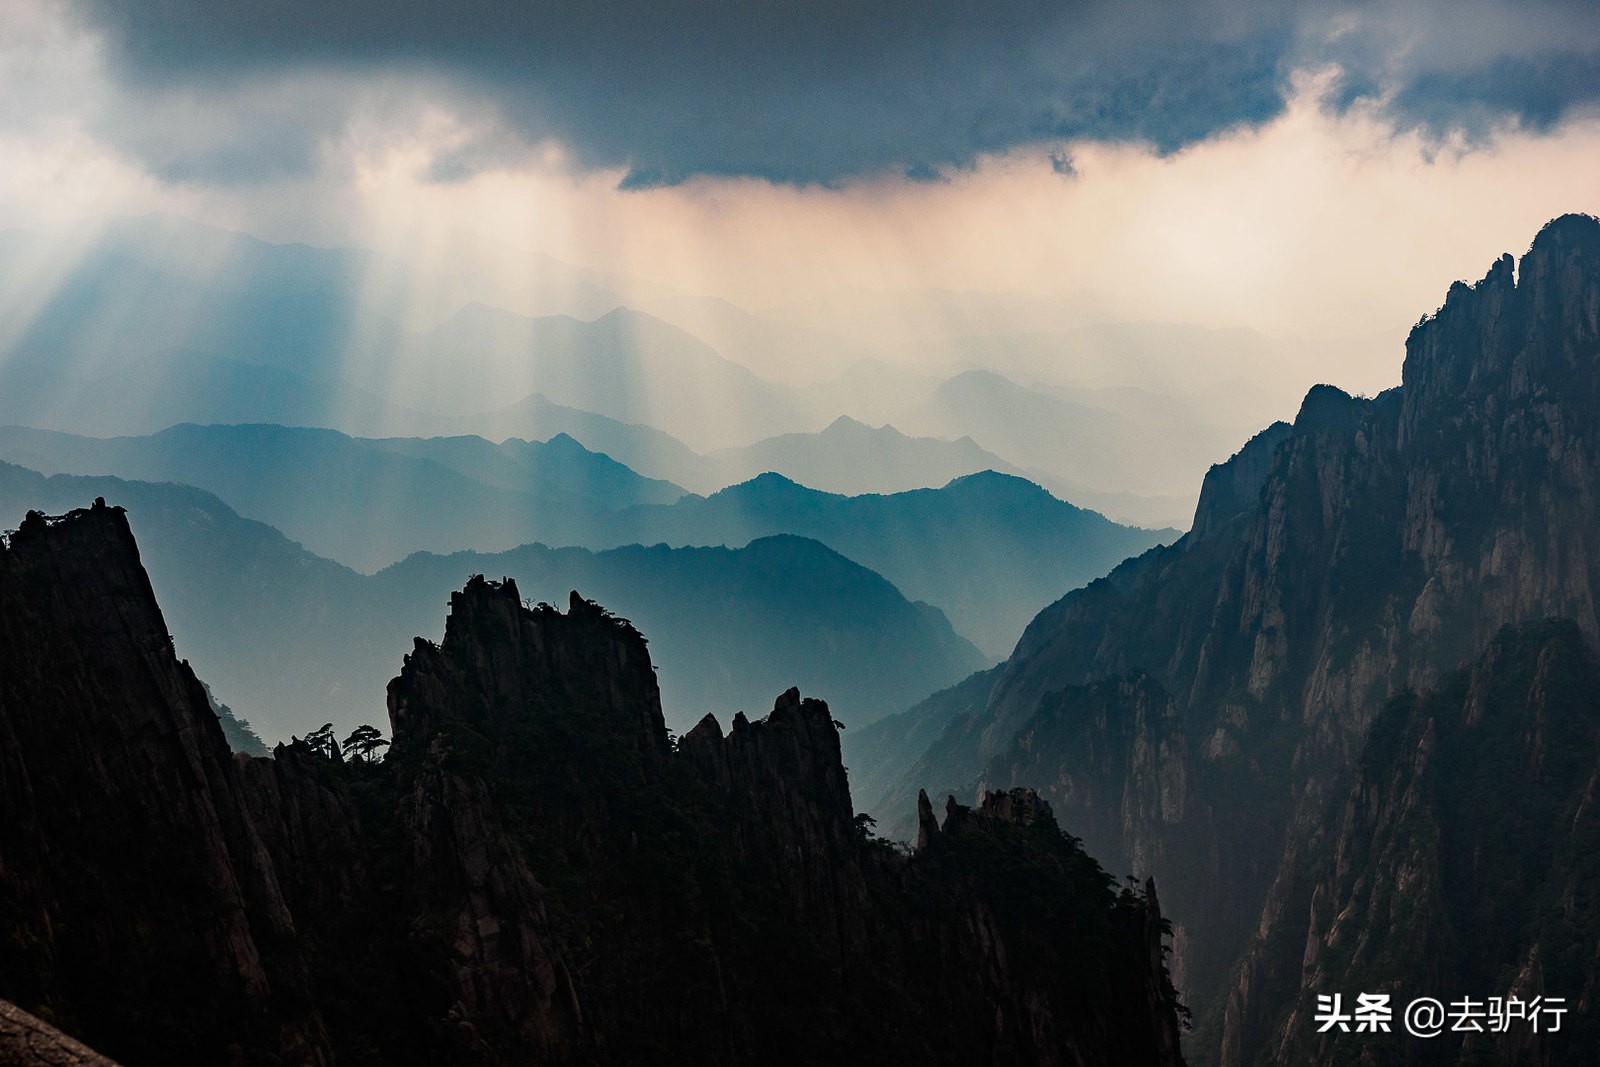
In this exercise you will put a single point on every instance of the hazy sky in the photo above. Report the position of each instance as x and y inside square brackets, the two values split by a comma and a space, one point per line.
[1303, 169]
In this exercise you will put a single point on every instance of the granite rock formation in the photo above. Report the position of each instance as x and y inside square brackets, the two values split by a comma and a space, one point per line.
[135, 885]
[28, 1041]
[1197, 713]
[1462, 864]
[537, 871]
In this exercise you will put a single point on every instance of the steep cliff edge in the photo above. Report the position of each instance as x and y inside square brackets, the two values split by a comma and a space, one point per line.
[717, 903]
[536, 873]
[139, 909]
[1195, 711]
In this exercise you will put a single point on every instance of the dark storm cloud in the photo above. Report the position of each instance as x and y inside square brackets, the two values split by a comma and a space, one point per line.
[819, 90]
[1465, 67]
[1539, 90]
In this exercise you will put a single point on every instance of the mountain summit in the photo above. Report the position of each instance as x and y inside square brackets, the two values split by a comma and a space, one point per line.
[1198, 711]
[537, 873]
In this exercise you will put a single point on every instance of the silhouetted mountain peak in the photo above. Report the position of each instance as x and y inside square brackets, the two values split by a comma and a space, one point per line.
[476, 313]
[848, 430]
[635, 324]
[770, 484]
[98, 525]
[793, 544]
[131, 868]
[844, 424]
[533, 874]
[980, 378]
[1329, 409]
[585, 669]
[1517, 335]
[1573, 230]
[993, 486]
[564, 444]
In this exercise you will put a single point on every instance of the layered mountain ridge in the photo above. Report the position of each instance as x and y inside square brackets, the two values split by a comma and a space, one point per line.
[291, 640]
[1006, 546]
[536, 872]
[160, 321]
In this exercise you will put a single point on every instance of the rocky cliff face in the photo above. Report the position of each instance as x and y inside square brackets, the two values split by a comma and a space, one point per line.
[1198, 709]
[28, 1041]
[717, 902]
[536, 873]
[1462, 863]
[139, 908]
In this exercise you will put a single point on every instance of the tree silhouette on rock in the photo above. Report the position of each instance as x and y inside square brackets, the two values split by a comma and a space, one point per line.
[322, 741]
[364, 742]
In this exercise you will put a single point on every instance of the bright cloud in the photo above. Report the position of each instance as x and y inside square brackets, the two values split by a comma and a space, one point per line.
[1329, 219]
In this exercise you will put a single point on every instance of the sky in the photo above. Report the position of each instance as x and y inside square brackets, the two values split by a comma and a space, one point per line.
[1318, 171]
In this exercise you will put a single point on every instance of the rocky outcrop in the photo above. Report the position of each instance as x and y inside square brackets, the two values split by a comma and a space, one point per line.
[528, 739]
[1461, 865]
[1198, 709]
[28, 1041]
[132, 874]
[718, 899]
[990, 921]
[783, 786]
[536, 873]
[1233, 488]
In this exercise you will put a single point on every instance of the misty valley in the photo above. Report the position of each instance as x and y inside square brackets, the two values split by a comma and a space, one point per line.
[471, 684]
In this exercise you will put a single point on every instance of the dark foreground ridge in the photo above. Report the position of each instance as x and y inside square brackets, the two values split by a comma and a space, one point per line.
[26, 1040]
[537, 873]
